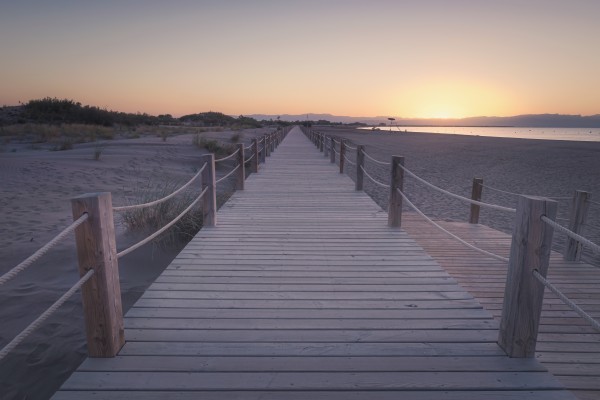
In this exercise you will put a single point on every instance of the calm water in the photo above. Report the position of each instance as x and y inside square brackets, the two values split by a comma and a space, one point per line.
[575, 134]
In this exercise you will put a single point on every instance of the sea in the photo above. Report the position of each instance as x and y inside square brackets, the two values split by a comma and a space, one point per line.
[572, 134]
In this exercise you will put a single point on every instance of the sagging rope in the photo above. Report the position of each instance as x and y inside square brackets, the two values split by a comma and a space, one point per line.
[249, 147]
[586, 242]
[349, 161]
[43, 250]
[161, 230]
[521, 194]
[456, 196]
[487, 253]
[228, 157]
[595, 324]
[250, 158]
[40, 320]
[228, 175]
[155, 202]
[375, 160]
[375, 181]
[349, 147]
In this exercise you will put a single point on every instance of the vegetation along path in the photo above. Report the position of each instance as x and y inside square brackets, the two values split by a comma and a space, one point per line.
[302, 291]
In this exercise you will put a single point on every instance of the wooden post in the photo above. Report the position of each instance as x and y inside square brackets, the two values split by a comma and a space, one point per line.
[360, 163]
[209, 200]
[321, 142]
[331, 150]
[342, 154]
[395, 201]
[475, 195]
[101, 294]
[272, 141]
[263, 151]
[577, 216]
[267, 145]
[256, 155]
[325, 146]
[241, 172]
[523, 293]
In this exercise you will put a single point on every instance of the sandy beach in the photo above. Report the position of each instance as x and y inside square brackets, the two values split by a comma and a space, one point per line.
[37, 185]
[550, 168]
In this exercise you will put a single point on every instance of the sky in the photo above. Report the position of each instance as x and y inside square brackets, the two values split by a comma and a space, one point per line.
[410, 59]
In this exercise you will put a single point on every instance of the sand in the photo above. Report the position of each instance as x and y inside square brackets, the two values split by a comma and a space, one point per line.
[35, 192]
[551, 168]
[36, 186]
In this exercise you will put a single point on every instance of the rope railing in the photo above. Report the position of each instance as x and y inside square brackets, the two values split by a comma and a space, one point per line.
[250, 158]
[375, 181]
[584, 241]
[155, 202]
[521, 194]
[228, 175]
[350, 147]
[487, 253]
[593, 202]
[459, 197]
[248, 147]
[347, 159]
[573, 306]
[44, 316]
[43, 250]
[161, 230]
[228, 157]
[375, 160]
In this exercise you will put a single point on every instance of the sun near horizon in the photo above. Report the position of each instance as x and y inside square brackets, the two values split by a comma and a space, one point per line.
[424, 59]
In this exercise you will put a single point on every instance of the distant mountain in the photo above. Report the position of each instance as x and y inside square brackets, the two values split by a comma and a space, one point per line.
[529, 120]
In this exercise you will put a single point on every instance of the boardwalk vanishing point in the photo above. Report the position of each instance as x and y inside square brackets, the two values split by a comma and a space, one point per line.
[302, 291]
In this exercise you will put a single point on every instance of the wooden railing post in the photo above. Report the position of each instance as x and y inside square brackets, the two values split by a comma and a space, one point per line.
[263, 151]
[325, 146]
[577, 216]
[395, 200]
[523, 293]
[272, 141]
[360, 164]
[475, 195]
[331, 150]
[342, 154]
[101, 294]
[209, 201]
[256, 155]
[267, 145]
[321, 142]
[241, 172]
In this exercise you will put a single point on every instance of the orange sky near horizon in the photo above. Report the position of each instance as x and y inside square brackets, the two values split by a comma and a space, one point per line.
[425, 59]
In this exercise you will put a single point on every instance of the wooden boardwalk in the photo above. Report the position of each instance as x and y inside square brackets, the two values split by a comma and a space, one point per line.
[303, 292]
[567, 345]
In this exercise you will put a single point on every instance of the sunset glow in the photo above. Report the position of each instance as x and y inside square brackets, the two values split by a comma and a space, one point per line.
[356, 58]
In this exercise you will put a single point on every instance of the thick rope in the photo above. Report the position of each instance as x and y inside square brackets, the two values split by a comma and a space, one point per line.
[161, 230]
[43, 250]
[350, 147]
[375, 181]
[336, 141]
[374, 160]
[228, 175]
[593, 202]
[595, 324]
[249, 147]
[586, 242]
[228, 157]
[40, 320]
[456, 196]
[521, 194]
[155, 202]
[469, 245]
[250, 158]
[348, 160]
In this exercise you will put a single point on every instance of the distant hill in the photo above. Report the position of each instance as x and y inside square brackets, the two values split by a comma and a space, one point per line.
[530, 120]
